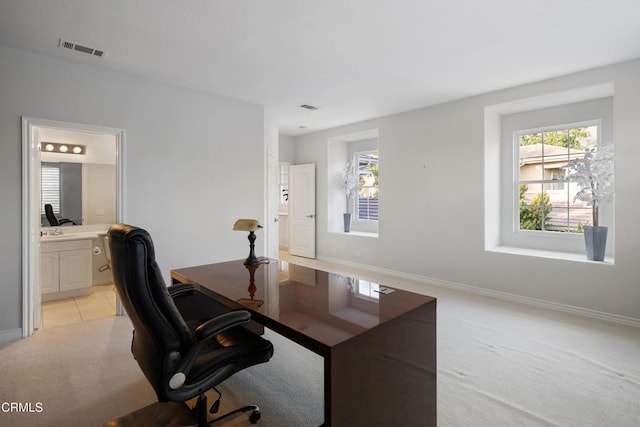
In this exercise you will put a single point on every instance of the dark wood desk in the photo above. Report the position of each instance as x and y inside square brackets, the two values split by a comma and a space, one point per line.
[378, 343]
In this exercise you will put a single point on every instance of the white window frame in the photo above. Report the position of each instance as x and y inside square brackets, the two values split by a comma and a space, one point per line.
[516, 172]
[502, 233]
[340, 149]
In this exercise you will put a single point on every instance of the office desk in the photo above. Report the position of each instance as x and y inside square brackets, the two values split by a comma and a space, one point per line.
[378, 343]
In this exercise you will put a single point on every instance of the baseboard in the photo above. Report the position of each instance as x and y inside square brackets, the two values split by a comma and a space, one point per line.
[585, 312]
[10, 335]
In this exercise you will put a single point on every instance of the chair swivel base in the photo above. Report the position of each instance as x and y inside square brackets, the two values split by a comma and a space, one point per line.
[200, 412]
[253, 418]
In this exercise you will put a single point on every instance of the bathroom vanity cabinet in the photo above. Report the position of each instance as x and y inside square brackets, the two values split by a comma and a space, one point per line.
[65, 269]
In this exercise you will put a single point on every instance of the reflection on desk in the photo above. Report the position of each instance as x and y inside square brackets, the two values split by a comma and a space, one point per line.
[378, 342]
[327, 307]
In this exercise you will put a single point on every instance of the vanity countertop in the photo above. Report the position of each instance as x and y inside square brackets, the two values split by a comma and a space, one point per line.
[81, 235]
[76, 232]
[71, 235]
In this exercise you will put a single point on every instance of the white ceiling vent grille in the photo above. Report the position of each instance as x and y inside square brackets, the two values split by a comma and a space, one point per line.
[308, 107]
[65, 44]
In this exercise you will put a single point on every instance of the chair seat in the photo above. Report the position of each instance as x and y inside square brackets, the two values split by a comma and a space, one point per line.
[237, 346]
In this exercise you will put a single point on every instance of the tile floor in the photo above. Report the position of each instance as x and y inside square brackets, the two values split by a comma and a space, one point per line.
[100, 303]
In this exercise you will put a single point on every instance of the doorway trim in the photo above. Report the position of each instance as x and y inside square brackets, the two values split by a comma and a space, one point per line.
[31, 223]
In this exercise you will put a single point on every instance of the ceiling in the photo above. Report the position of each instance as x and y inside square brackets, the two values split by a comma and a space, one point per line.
[353, 59]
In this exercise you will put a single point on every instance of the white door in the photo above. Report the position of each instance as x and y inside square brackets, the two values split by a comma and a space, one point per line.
[302, 210]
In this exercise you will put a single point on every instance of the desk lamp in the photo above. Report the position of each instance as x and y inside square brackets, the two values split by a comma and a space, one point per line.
[249, 225]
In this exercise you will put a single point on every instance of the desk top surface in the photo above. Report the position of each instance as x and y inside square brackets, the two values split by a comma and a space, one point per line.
[300, 302]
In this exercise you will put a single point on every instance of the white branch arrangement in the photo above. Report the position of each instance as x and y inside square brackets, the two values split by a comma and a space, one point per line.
[594, 175]
[347, 180]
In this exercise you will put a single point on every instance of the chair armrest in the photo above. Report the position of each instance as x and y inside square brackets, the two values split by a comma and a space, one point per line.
[181, 289]
[203, 332]
[221, 323]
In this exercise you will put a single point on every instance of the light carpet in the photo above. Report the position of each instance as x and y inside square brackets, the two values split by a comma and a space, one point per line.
[499, 364]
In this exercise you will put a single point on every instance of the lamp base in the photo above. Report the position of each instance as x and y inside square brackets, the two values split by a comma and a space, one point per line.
[252, 259]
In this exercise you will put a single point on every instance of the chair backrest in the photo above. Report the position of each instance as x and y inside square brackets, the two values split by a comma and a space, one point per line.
[160, 334]
[51, 217]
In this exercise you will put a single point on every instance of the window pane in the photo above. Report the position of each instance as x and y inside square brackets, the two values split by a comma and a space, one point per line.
[556, 138]
[530, 155]
[547, 200]
[367, 200]
[368, 289]
[580, 217]
[534, 207]
[558, 219]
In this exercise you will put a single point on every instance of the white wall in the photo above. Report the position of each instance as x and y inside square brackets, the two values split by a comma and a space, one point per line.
[432, 201]
[192, 160]
[287, 149]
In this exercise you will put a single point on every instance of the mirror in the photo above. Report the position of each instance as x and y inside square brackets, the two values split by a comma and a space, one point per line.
[80, 187]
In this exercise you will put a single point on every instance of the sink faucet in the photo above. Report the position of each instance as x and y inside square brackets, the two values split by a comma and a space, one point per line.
[52, 232]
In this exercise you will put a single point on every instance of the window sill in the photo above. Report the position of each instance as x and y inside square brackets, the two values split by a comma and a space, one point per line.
[567, 256]
[357, 233]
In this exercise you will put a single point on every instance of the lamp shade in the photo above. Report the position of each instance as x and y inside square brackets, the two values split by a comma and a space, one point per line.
[246, 225]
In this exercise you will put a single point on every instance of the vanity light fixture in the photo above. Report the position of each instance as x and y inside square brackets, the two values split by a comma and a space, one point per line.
[54, 147]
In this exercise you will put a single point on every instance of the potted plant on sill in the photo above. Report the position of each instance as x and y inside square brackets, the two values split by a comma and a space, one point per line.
[347, 182]
[594, 175]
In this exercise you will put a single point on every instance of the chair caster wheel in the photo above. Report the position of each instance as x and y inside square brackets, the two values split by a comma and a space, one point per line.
[254, 417]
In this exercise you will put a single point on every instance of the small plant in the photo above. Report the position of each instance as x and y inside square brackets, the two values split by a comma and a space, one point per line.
[594, 175]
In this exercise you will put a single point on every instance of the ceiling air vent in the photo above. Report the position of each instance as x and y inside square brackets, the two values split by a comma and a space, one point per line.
[65, 44]
[308, 107]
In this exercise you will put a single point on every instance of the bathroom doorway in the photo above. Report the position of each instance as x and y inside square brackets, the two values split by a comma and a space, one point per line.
[93, 200]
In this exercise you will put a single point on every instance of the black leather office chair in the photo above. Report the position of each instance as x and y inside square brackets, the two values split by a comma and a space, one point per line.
[182, 357]
[51, 217]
